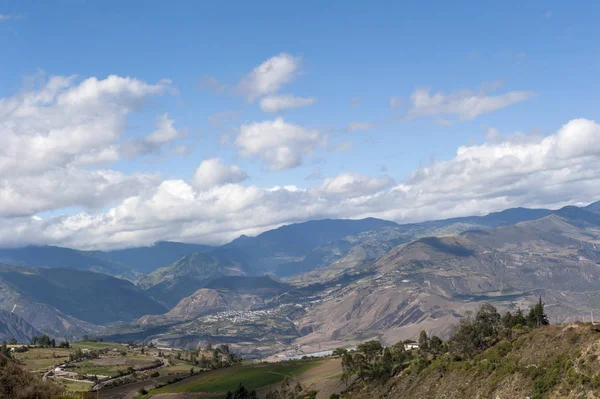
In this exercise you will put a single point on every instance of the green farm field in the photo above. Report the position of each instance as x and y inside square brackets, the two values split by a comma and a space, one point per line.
[252, 376]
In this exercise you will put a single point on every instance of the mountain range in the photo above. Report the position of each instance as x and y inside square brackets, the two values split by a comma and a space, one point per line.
[312, 285]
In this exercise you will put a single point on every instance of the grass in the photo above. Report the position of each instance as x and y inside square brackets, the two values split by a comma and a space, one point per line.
[42, 358]
[181, 368]
[73, 386]
[88, 367]
[251, 376]
[97, 345]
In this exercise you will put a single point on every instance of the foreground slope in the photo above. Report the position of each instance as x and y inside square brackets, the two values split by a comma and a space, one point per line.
[551, 362]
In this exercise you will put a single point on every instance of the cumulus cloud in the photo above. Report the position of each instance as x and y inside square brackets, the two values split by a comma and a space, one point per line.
[51, 134]
[283, 102]
[463, 105]
[212, 172]
[62, 120]
[268, 77]
[354, 185]
[279, 144]
[165, 133]
[540, 171]
[66, 187]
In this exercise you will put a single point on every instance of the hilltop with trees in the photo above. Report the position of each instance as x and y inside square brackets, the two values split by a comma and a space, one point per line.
[488, 355]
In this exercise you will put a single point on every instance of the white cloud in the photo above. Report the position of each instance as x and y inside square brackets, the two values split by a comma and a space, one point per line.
[529, 171]
[164, 134]
[280, 144]
[283, 102]
[212, 172]
[67, 187]
[492, 135]
[354, 185]
[268, 77]
[51, 134]
[464, 105]
[165, 131]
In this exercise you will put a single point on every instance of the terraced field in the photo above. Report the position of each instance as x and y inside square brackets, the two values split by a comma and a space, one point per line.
[39, 359]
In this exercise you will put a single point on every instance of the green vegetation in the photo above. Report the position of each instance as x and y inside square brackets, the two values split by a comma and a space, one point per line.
[252, 377]
[371, 361]
[488, 355]
[44, 341]
[75, 386]
[93, 344]
[16, 383]
[241, 393]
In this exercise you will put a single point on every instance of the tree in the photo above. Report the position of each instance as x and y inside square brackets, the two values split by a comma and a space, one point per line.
[369, 349]
[508, 321]
[476, 333]
[423, 342]
[339, 352]
[436, 345]
[519, 318]
[537, 316]
[12, 341]
[241, 393]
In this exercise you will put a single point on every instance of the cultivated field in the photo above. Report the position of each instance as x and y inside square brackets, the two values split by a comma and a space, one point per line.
[321, 375]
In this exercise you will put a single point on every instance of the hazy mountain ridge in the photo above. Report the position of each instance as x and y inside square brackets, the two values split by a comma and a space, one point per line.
[429, 283]
[387, 282]
[66, 301]
[58, 257]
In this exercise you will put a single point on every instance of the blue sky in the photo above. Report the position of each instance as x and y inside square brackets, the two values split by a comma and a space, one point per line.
[535, 63]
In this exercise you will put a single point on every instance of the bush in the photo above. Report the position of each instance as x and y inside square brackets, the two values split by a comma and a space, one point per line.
[16, 383]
